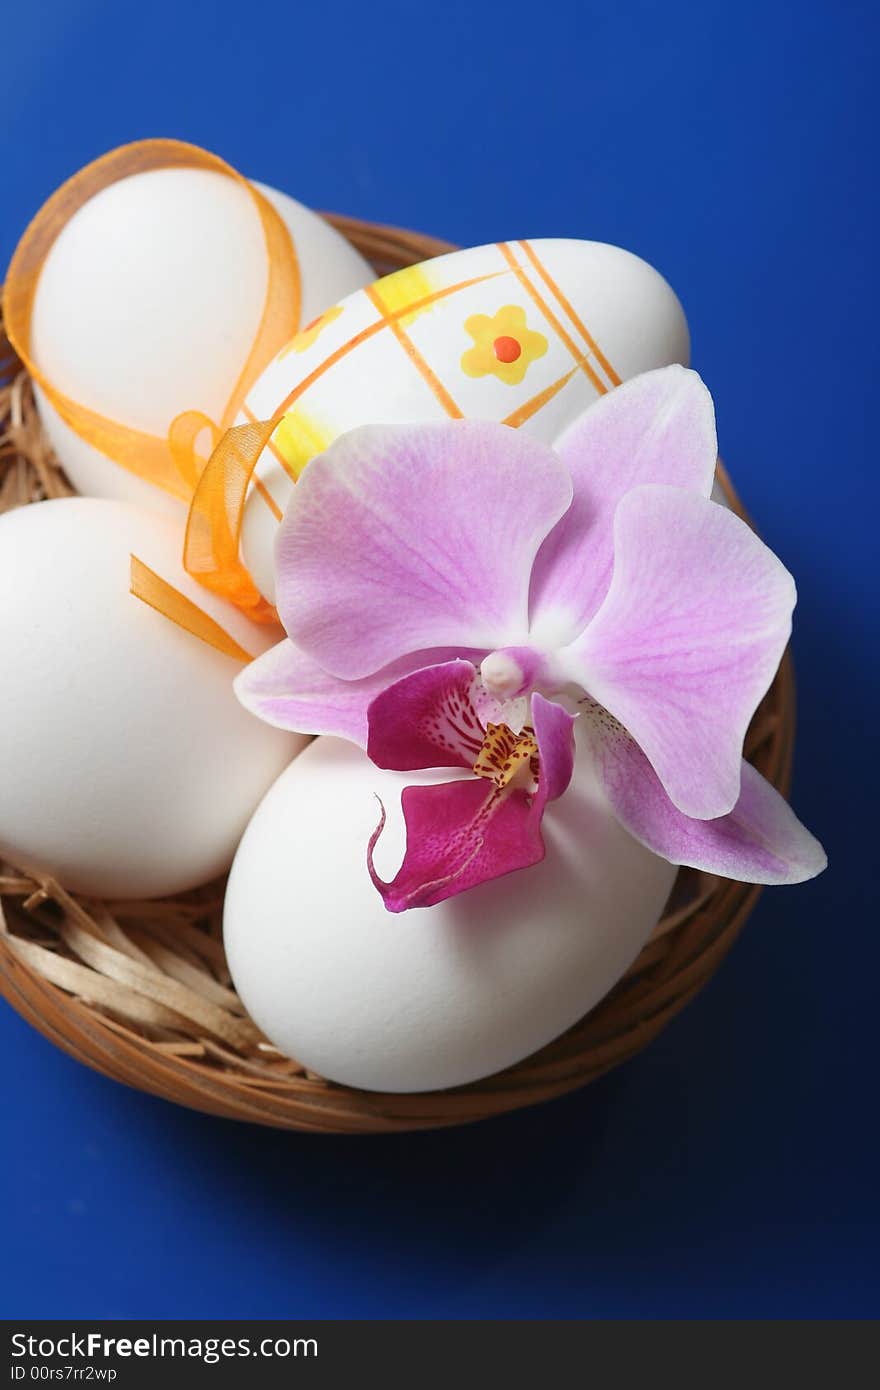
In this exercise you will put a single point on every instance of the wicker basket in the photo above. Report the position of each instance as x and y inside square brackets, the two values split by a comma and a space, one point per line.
[141, 992]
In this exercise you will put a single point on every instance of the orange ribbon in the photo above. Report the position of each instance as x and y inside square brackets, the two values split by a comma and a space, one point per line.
[152, 589]
[172, 462]
[211, 549]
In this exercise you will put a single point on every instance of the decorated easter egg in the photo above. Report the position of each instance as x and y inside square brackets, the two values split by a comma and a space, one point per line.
[528, 332]
[150, 299]
[441, 995]
[129, 768]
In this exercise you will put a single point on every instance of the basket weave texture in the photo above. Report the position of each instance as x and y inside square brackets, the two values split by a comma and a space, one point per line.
[140, 990]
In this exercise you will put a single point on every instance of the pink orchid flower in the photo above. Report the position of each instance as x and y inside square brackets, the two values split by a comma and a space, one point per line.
[460, 595]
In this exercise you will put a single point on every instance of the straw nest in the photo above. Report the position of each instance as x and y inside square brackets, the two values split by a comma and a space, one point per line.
[141, 992]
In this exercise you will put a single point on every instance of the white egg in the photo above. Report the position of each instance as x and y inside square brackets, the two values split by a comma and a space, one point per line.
[529, 333]
[128, 767]
[435, 997]
[149, 301]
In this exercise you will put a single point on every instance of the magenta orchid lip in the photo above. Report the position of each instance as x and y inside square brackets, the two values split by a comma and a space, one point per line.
[445, 587]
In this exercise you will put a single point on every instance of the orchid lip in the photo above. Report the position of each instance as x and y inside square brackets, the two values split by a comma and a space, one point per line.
[509, 759]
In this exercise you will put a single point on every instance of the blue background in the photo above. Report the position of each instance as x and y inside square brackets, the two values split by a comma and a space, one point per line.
[732, 1169]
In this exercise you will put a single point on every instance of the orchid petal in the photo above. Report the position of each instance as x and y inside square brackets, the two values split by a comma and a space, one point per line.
[656, 428]
[427, 719]
[460, 834]
[687, 641]
[760, 841]
[287, 688]
[406, 537]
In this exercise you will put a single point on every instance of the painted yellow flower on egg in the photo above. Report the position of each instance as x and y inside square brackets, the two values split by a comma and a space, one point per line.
[504, 345]
[307, 335]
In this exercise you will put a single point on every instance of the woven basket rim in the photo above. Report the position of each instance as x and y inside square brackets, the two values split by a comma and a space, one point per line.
[216, 1062]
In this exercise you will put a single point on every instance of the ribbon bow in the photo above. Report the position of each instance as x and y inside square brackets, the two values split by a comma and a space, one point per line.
[173, 462]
